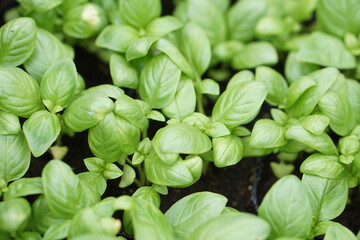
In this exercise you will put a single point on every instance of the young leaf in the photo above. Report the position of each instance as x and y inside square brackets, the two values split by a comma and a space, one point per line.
[216, 129]
[162, 26]
[326, 166]
[255, 54]
[325, 50]
[209, 86]
[328, 197]
[128, 177]
[112, 137]
[17, 41]
[315, 124]
[41, 130]
[294, 69]
[58, 231]
[14, 215]
[158, 81]
[239, 104]
[140, 48]
[117, 37]
[24, 187]
[139, 13]
[15, 156]
[240, 77]
[337, 231]
[58, 84]
[42, 58]
[9, 123]
[112, 171]
[231, 226]
[19, 92]
[353, 93]
[267, 134]
[286, 207]
[228, 150]
[190, 212]
[296, 89]
[122, 73]
[130, 110]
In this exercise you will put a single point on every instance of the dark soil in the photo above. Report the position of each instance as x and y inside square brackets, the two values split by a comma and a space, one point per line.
[244, 184]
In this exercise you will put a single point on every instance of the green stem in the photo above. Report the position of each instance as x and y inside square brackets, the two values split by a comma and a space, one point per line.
[199, 96]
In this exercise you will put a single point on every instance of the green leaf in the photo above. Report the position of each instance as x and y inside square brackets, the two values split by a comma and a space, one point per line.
[17, 41]
[184, 102]
[325, 50]
[338, 109]
[196, 47]
[255, 54]
[58, 84]
[15, 156]
[140, 48]
[112, 171]
[84, 21]
[41, 130]
[122, 73]
[243, 17]
[93, 184]
[326, 166]
[180, 174]
[64, 199]
[156, 115]
[162, 26]
[9, 123]
[267, 134]
[337, 231]
[225, 51]
[216, 129]
[14, 215]
[130, 110]
[287, 209]
[179, 138]
[240, 104]
[240, 77]
[94, 164]
[86, 111]
[270, 26]
[209, 86]
[190, 212]
[139, 13]
[19, 92]
[298, 88]
[112, 137]
[40, 6]
[275, 83]
[328, 197]
[322, 143]
[353, 93]
[117, 37]
[149, 194]
[315, 124]
[42, 58]
[108, 90]
[231, 226]
[349, 145]
[339, 18]
[294, 68]
[228, 150]
[128, 177]
[149, 222]
[158, 81]
[24, 187]
[58, 230]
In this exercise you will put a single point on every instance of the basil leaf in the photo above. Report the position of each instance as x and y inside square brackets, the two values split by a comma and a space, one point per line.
[243, 17]
[117, 37]
[94, 185]
[162, 26]
[63, 199]
[84, 21]
[296, 89]
[41, 130]
[337, 108]
[24, 187]
[196, 47]
[228, 150]
[255, 54]
[216, 129]
[139, 13]
[275, 83]
[112, 137]
[353, 93]
[184, 102]
[9, 123]
[128, 177]
[179, 174]
[122, 73]
[15, 214]
[322, 143]
[339, 18]
[19, 92]
[58, 230]
[337, 231]
[294, 68]
[239, 104]
[232, 226]
[267, 134]
[140, 48]
[328, 197]
[158, 81]
[42, 58]
[86, 111]
[190, 212]
[42, 216]
[315, 124]
[287, 209]
[108, 90]
[326, 166]
[325, 50]
[15, 156]
[128, 109]
[17, 41]
[240, 77]
[58, 84]
[40, 6]
[179, 138]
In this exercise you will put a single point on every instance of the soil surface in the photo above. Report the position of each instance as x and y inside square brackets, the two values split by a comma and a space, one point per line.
[244, 184]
